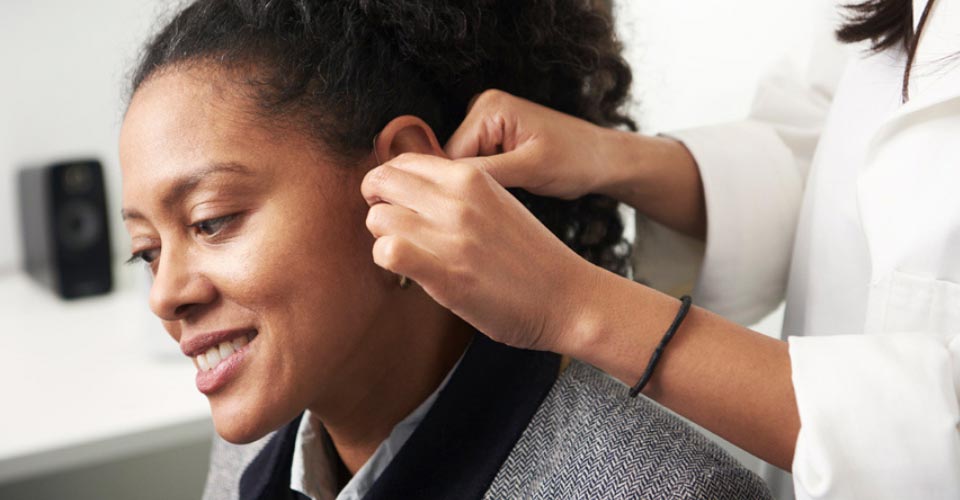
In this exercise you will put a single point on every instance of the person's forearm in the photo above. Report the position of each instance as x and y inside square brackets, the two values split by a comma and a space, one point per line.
[726, 378]
[659, 178]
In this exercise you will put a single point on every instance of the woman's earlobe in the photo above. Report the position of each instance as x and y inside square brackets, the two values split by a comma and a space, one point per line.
[406, 134]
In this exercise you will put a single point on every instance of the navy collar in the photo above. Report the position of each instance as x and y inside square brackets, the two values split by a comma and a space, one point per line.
[460, 445]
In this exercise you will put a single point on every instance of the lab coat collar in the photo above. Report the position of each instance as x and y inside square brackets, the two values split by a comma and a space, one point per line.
[935, 77]
[918, 6]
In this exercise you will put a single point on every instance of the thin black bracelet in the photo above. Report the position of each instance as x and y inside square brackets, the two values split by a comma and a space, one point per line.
[685, 302]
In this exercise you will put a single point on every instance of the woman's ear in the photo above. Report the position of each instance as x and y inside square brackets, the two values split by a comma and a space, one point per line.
[406, 134]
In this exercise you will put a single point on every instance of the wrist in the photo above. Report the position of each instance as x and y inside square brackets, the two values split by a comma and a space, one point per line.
[593, 320]
[618, 325]
[568, 307]
[642, 165]
[625, 169]
[659, 177]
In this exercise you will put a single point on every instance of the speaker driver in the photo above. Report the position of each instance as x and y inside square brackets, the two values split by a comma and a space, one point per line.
[79, 225]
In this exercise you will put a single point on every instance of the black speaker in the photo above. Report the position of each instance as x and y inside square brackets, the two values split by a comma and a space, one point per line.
[65, 233]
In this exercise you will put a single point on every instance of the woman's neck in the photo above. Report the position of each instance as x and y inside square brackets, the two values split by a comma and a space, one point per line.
[414, 354]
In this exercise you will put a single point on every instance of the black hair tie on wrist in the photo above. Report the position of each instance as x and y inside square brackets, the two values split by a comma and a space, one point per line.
[685, 302]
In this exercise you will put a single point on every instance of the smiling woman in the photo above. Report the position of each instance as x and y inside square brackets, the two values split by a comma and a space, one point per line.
[252, 233]
[251, 127]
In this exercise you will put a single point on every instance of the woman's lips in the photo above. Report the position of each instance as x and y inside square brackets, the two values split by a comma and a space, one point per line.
[220, 363]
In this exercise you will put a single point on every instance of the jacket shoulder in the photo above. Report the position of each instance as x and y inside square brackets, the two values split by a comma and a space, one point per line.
[589, 439]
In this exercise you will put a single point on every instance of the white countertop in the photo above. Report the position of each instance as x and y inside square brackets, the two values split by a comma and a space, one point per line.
[88, 381]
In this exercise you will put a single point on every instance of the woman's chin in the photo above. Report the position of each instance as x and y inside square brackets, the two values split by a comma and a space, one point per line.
[238, 434]
[239, 425]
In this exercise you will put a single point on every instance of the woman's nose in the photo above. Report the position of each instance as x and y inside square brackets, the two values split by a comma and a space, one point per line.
[178, 288]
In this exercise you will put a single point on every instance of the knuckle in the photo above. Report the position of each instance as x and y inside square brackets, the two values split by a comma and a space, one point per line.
[380, 175]
[376, 217]
[389, 252]
[374, 179]
[469, 177]
[492, 98]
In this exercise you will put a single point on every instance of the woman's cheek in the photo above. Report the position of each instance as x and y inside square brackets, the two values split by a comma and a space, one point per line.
[259, 257]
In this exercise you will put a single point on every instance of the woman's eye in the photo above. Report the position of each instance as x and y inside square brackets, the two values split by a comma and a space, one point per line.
[147, 256]
[211, 227]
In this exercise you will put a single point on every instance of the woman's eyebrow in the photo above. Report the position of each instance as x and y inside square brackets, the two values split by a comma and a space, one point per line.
[183, 186]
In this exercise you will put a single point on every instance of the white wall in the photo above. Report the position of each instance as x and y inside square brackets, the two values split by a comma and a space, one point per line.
[62, 67]
[698, 61]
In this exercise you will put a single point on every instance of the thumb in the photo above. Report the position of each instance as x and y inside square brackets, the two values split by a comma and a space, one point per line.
[508, 169]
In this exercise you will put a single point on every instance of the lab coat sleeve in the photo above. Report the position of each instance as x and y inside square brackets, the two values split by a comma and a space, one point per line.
[753, 174]
[869, 425]
[752, 193]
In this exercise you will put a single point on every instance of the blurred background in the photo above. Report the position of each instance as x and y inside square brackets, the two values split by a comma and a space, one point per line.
[97, 402]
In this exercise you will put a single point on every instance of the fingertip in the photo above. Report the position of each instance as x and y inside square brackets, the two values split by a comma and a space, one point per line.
[410, 161]
[367, 186]
[462, 144]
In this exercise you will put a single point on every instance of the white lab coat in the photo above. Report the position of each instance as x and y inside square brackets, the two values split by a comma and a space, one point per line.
[847, 203]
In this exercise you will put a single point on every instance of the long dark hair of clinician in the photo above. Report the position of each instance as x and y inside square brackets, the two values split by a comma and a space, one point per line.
[885, 23]
[346, 68]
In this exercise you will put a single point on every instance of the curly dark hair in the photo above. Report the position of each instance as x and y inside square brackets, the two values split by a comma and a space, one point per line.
[345, 68]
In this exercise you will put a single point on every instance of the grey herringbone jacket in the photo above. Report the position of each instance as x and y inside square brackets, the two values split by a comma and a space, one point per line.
[590, 440]
[505, 427]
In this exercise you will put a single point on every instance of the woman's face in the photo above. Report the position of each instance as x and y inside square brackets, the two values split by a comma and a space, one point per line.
[261, 261]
